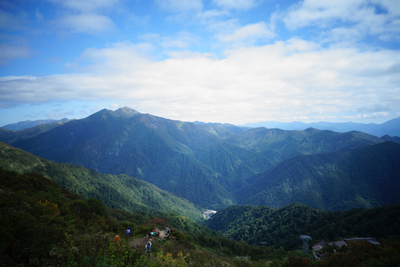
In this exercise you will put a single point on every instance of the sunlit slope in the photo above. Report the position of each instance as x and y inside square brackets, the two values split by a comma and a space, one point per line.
[117, 191]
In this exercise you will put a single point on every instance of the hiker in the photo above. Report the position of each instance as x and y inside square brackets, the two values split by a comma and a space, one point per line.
[116, 238]
[148, 248]
[128, 231]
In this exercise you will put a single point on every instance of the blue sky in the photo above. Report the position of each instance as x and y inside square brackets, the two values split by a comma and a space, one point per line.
[230, 61]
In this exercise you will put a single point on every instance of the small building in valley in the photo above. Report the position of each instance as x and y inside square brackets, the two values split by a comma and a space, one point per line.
[316, 248]
[208, 213]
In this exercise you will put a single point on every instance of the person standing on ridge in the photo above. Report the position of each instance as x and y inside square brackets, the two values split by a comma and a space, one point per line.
[128, 232]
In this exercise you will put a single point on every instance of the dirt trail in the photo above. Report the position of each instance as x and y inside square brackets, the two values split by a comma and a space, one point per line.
[142, 241]
[138, 242]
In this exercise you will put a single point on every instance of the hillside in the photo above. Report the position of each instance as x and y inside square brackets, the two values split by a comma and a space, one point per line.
[45, 225]
[204, 163]
[364, 177]
[118, 192]
[282, 144]
[282, 227]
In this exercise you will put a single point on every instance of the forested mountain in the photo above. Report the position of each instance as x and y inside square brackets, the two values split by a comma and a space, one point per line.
[278, 144]
[118, 192]
[170, 154]
[364, 177]
[391, 127]
[283, 226]
[204, 163]
[43, 224]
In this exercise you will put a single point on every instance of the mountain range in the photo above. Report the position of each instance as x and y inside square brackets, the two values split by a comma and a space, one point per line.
[29, 124]
[391, 127]
[215, 165]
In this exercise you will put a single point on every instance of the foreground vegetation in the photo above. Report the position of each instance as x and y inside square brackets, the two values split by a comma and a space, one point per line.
[43, 224]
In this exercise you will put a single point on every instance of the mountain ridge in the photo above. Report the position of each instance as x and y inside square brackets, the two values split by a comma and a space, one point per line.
[331, 181]
[206, 164]
[390, 127]
[29, 124]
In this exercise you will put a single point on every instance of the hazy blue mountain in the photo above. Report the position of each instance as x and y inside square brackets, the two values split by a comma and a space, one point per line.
[228, 126]
[204, 163]
[391, 127]
[29, 124]
[11, 136]
[364, 177]
[391, 138]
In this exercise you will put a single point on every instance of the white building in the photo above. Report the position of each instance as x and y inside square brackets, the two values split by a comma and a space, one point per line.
[208, 213]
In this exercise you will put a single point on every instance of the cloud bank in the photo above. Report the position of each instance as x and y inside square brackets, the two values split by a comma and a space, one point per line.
[264, 83]
[217, 60]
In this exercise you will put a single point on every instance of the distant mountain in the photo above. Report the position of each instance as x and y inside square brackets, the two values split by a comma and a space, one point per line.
[11, 136]
[117, 192]
[282, 227]
[230, 127]
[173, 155]
[391, 138]
[204, 163]
[281, 144]
[29, 124]
[364, 177]
[391, 127]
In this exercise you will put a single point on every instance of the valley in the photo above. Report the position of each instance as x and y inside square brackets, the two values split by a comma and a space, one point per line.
[254, 185]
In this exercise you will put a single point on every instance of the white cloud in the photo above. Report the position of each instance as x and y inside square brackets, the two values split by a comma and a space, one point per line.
[86, 16]
[262, 83]
[180, 40]
[356, 18]
[11, 21]
[236, 4]
[86, 5]
[38, 15]
[87, 23]
[180, 5]
[11, 52]
[252, 31]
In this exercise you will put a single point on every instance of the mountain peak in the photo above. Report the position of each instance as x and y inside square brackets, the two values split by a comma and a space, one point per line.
[126, 112]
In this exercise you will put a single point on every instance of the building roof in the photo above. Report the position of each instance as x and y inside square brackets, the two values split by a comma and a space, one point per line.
[342, 242]
[368, 239]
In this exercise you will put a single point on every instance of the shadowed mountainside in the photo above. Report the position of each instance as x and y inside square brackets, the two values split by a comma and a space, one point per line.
[364, 177]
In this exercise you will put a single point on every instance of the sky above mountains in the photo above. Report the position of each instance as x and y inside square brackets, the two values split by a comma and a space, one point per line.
[229, 61]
